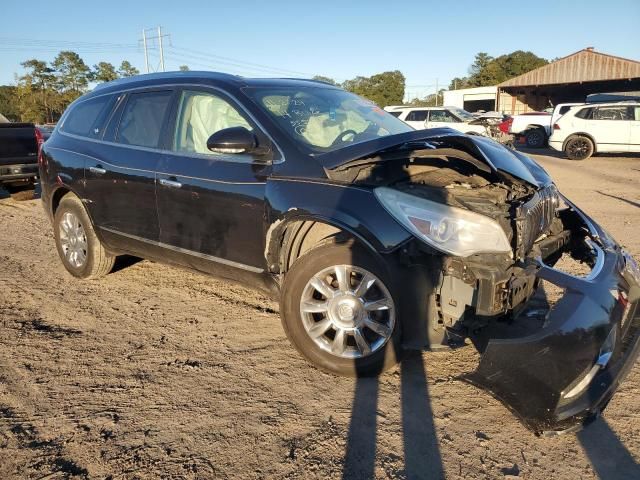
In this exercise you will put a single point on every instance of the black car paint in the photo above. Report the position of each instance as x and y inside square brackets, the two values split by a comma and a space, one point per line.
[228, 218]
[18, 152]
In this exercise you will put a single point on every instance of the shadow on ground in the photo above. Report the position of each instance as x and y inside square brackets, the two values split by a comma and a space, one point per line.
[421, 451]
[609, 457]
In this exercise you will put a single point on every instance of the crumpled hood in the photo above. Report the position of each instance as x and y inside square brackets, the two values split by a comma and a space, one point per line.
[497, 157]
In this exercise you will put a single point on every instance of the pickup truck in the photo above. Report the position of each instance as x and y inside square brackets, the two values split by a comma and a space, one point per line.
[535, 127]
[19, 145]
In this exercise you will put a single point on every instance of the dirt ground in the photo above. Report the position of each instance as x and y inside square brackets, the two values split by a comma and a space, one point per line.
[155, 372]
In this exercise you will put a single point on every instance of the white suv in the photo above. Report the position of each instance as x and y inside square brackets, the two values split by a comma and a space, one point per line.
[604, 127]
[433, 117]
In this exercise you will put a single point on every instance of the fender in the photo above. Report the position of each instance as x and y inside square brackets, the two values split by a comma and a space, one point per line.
[347, 207]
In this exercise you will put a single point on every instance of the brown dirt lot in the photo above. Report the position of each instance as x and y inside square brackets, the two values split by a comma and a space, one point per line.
[155, 372]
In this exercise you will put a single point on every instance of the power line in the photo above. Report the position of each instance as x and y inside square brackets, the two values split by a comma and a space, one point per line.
[219, 59]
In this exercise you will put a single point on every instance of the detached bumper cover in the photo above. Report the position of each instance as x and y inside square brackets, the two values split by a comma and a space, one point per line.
[533, 375]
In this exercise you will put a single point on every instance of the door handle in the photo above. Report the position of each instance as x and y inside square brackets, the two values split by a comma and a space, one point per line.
[97, 170]
[170, 183]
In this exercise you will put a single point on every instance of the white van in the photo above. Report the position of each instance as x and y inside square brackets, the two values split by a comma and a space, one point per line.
[604, 127]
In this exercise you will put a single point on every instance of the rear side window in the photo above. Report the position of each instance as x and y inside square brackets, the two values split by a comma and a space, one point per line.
[585, 113]
[395, 114]
[564, 109]
[143, 118]
[87, 117]
[417, 116]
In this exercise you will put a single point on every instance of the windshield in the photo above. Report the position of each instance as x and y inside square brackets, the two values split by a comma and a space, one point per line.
[462, 114]
[325, 119]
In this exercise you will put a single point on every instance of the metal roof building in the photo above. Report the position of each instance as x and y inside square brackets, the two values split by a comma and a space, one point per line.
[569, 79]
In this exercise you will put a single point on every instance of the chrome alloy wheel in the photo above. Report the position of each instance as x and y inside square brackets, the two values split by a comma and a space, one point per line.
[73, 240]
[347, 311]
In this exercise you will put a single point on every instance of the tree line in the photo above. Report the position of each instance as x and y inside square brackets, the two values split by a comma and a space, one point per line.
[45, 89]
[43, 92]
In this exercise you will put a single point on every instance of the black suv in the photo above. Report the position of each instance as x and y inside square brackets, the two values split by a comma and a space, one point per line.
[375, 237]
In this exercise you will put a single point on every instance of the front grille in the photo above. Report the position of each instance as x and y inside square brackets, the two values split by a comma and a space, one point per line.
[534, 218]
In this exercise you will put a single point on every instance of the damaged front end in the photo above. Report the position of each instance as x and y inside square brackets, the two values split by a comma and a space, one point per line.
[554, 363]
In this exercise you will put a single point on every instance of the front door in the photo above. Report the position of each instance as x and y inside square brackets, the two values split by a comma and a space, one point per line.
[443, 118]
[121, 177]
[211, 206]
[416, 119]
[611, 127]
[634, 143]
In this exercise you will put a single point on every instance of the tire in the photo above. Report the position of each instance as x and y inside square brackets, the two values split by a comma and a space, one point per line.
[79, 248]
[535, 138]
[579, 148]
[344, 312]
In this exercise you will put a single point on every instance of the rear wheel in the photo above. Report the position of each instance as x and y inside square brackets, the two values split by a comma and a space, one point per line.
[579, 148]
[339, 310]
[79, 248]
[535, 138]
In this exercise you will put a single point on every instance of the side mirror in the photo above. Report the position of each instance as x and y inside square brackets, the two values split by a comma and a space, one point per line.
[232, 140]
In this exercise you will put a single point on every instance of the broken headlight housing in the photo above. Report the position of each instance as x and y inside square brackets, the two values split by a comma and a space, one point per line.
[451, 230]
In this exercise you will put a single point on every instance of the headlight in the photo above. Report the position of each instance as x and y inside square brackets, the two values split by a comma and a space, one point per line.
[448, 229]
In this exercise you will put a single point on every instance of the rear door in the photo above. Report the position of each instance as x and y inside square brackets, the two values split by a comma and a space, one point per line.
[120, 175]
[211, 206]
[611, 127]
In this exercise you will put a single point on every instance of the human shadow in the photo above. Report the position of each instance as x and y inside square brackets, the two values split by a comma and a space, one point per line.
[420, 444]
[609, 457]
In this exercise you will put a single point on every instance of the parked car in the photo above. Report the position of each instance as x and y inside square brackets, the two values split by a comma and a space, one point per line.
[605, 127]
[534, 128]
[18, 152]
[435, 117]
[375, 237]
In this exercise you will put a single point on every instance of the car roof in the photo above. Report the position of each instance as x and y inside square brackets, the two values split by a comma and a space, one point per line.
[218, 78]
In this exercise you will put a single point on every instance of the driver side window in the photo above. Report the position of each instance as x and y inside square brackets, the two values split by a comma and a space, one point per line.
[442, 116]
[200, 115]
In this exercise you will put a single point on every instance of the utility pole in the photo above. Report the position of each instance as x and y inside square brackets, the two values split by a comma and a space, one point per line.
[161, 51]
[437, 92]
[145, 44]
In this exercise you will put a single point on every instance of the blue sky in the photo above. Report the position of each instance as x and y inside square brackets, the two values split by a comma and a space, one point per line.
[426, 40]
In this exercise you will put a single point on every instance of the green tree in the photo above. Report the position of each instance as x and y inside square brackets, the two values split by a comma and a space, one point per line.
[384, 89]
[322, 78]
[127, 70]
[457, 83]
[104, 72]
[184, 68]
[8, 105]
[72, 73]
[37, 99]
[487, 70]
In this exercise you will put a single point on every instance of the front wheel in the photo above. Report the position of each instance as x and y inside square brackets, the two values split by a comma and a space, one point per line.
[338, 309]
[79, 248]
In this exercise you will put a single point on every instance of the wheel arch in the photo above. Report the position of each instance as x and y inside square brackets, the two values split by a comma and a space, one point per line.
[581, 134]
[290, 238]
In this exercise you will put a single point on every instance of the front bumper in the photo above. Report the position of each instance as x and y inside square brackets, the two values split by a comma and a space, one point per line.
[537, 376]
